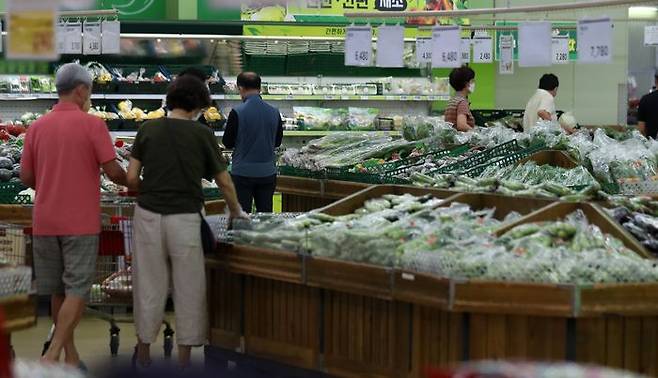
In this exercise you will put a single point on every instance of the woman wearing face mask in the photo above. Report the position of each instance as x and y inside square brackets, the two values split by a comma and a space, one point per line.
[458, 110]
[173, 154]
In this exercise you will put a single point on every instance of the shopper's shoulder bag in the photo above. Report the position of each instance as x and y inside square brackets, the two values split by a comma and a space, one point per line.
[208, 240]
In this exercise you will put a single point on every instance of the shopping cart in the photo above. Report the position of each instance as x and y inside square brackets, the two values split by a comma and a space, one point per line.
[111, 290]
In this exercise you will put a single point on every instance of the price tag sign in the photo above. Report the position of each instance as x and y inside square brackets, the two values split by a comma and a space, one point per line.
[506, 62]
[71, 38]
[91, 40]
[358, 46]
[424, 50]
[535, 41]
[390, 46]
[446, 47]
[483, 50]
[404, 98]
[560, 49]
[651, 35]
[466, 50]
[111, 42]
[595, 41]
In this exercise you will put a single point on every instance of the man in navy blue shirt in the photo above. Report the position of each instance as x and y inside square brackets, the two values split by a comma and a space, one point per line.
[254, 130]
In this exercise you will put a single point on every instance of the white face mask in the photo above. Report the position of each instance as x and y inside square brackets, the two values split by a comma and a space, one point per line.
[471, 87]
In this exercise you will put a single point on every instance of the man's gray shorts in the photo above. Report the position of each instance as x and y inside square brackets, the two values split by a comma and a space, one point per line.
[65, 265]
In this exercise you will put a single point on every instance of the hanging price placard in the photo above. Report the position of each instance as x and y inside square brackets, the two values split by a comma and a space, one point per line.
[358, 46]
[560, 49]
[466, 50]
[535, 44]
[483, 50]
[390, 46]
[506, 62]
[446, 46]
[111, 41]
[651, 35]
[595, 41]
[70, 38]
[91, 40]
[424, 50]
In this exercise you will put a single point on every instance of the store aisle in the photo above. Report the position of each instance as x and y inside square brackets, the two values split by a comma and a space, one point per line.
[92, 338]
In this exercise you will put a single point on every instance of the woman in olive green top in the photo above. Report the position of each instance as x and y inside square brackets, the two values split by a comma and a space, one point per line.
[173, 154]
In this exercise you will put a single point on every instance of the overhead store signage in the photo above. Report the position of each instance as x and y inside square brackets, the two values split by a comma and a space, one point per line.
[424, 50]
[482, 50]
[535, 44]
[506, 61]
[91, 40]
[31, 29]
[358, 46]
[466, 50]
[651, 35]
[390, 46]
[560, 49]
[446, 47]
[111, 41]
[595, 41]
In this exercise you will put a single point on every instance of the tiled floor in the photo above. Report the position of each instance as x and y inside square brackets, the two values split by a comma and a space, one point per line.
[92, 339]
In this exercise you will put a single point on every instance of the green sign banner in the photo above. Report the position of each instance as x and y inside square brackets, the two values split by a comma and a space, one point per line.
[146, 10]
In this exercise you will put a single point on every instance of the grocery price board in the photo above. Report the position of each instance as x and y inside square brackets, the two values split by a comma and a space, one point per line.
[571, 34]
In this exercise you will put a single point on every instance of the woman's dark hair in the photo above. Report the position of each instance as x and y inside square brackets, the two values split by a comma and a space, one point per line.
[548, 82]
[188, 93]
[194, 71]
[459, 77]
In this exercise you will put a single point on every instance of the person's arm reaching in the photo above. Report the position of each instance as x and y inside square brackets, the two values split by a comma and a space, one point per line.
[543, 114]
[134, 173]
[641, 127]
[114, 171]
[279, 133]
[28, 177]
[225, 184]
[231, 131]
[462, 123]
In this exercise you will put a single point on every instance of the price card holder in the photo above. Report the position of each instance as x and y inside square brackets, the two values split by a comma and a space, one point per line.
[506, 62]
[72, 38]
[483, 50]
[595, 41]
[91, 40]
[390, 46]
[446, 47]
[111, 42]
[424, 50]
[466, 50]
[560, 49]
[535, 44]
[651, 35]
[358, 46]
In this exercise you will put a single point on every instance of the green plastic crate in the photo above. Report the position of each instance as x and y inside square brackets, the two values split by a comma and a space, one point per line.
[287, 170]
[401, 166]
[480, 158]
[9, 194]
[506, 160]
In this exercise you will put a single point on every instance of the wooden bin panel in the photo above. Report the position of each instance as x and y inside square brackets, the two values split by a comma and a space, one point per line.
[365, 336]
[437, 339]
[282, 321]
[619, 299]
[224, 306]
[503, 204]
[513, 298]
[355, 278]
[265, 263]
[20, 312]
[294, 203]
[420, 288]
[535, 338]
[629, 343]
[342, 189]
[551, 157]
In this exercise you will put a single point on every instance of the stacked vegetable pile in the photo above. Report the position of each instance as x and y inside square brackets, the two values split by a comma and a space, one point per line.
[356, 119]
[418, 233]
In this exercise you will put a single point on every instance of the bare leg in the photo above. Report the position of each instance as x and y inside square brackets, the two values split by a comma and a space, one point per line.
[143, 353]
[67, 318]
[184, 356]
[71, 356]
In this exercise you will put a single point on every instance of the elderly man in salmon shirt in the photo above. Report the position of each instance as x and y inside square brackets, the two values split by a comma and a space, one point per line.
[63, 156]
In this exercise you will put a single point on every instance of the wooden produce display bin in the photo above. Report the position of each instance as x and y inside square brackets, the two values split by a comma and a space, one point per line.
[225, 304]
[304, 194]
[265, 263]
[637, 299]
[551, 157]
[20, 312]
